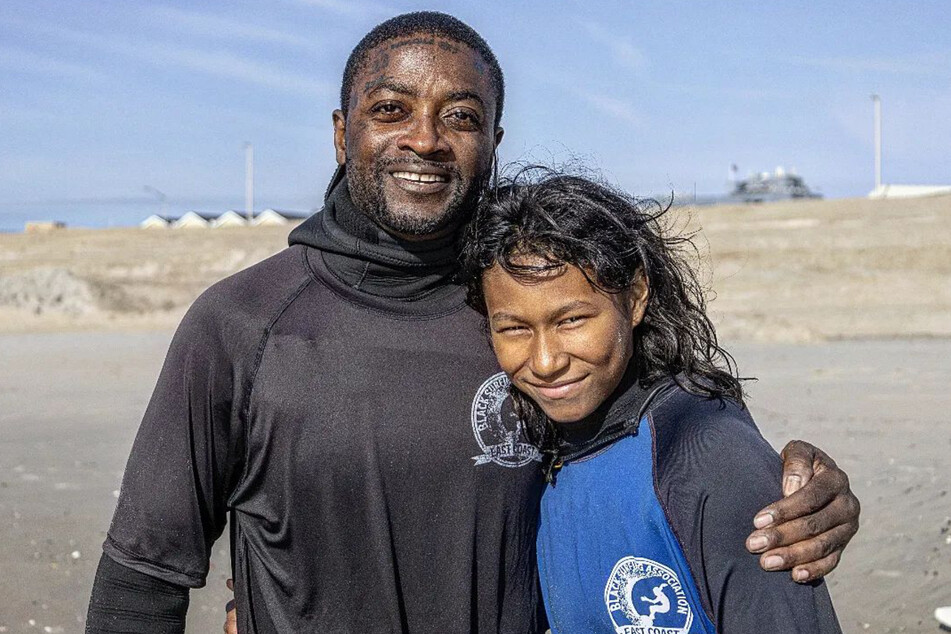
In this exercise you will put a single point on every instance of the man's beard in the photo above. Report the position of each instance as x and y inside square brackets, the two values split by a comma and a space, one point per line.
[367, 191]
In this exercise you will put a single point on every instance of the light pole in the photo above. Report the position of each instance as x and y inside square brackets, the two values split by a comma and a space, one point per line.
[249, 181]
[878, 141]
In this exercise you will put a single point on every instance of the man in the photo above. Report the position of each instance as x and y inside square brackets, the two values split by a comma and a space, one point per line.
[340, 401]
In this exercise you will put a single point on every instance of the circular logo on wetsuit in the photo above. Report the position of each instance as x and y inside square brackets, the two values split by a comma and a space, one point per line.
[645, 597]
[499, 432]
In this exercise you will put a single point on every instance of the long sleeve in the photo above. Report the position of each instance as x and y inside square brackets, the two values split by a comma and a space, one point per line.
[126, 601]
[715, 471]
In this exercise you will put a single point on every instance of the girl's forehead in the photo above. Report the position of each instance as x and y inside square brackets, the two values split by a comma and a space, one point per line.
[537, 291]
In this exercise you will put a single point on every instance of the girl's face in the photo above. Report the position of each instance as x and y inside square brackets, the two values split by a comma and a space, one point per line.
[562, 341]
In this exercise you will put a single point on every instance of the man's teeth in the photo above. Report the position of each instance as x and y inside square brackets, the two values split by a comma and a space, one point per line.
[421, 178]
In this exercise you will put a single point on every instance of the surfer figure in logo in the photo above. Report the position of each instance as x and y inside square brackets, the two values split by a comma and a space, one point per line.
[599, 322]
[660, 604]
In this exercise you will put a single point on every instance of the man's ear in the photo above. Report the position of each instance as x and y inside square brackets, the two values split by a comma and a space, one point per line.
[340, 136]
[639, 295]
[499, 133]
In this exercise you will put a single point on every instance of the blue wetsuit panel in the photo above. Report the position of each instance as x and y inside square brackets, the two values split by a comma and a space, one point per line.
[607, 557]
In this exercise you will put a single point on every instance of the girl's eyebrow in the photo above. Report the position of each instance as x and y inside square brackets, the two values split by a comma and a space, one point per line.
[557, 314]
[570, 306]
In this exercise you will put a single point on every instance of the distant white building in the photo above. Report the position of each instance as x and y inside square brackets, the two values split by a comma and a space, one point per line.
[277, 217]
[193, 220]
[909, 191]
[230, 218]
[155, 221]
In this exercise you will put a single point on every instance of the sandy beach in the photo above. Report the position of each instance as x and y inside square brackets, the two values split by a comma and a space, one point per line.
[842, 309]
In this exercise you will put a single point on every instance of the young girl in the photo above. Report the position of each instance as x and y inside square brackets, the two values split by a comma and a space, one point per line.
[655, 463]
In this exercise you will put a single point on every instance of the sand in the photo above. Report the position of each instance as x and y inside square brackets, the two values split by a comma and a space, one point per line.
[841, 308]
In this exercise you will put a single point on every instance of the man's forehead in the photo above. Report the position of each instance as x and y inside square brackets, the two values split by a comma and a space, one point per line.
[424, 56]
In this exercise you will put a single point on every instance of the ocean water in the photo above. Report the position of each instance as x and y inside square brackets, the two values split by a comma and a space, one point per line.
[121, 213]
[126, 213]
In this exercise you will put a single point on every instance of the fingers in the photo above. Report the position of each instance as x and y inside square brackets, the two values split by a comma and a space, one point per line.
[231, 615]
[811, 559]
[817, 569]
[807, 530]
[231, 622]
[843, 510]
[826, 485]
[799, 458]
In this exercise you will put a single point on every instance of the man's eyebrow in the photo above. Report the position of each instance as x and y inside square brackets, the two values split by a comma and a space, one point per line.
[464, 95]
[387, 83]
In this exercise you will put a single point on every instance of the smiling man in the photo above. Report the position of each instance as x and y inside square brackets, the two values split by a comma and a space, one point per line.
[340, 403]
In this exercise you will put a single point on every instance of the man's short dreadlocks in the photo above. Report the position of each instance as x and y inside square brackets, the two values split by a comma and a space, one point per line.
[432, 22]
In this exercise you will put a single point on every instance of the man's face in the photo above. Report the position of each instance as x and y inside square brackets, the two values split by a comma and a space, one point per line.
[419, 136]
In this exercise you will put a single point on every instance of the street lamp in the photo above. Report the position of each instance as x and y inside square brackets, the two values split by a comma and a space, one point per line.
[249, 181]
[878, 141]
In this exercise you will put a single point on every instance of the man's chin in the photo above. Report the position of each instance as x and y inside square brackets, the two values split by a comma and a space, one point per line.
[420, 218]
[417, 226]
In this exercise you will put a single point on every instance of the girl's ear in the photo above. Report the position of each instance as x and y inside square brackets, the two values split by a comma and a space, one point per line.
[638, 295]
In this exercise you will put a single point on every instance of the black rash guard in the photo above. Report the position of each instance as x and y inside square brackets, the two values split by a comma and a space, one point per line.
[340, 403]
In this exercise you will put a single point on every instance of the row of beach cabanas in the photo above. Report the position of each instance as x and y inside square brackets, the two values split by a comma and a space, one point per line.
[230, 218]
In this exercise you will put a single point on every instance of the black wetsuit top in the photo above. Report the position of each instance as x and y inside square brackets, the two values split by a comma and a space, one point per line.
[340, 404]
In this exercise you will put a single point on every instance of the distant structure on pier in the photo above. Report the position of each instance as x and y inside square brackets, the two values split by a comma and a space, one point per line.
[767, 187]
[755, 188]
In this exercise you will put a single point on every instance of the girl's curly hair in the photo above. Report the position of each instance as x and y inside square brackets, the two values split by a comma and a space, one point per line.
[561, 219]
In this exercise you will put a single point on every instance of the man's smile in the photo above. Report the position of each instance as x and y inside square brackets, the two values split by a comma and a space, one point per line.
[420, 179]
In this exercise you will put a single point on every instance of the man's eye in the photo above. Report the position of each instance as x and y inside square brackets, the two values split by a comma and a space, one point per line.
[511, 330]
[388, 109]
[463, 119]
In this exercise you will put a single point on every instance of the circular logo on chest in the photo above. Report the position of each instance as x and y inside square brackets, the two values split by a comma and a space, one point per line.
[499, 432]
[645, 597]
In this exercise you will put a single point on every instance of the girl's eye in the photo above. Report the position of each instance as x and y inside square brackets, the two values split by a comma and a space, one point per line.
[573, 321]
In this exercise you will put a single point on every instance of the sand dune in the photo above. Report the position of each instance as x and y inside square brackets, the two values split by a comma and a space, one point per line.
[794, 271]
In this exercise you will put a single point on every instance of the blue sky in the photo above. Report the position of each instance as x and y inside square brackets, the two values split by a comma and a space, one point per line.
[101, 99]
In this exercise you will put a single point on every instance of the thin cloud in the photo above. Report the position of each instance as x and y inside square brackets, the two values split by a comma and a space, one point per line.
[216, 63]
[19, 60]
[926, 66]
[226, 65]
[622, 50]
[350, 8]
[613, 107]
[218, 27]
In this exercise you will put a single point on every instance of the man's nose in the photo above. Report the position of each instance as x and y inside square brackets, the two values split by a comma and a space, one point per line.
[549, 358]
[424, 136]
